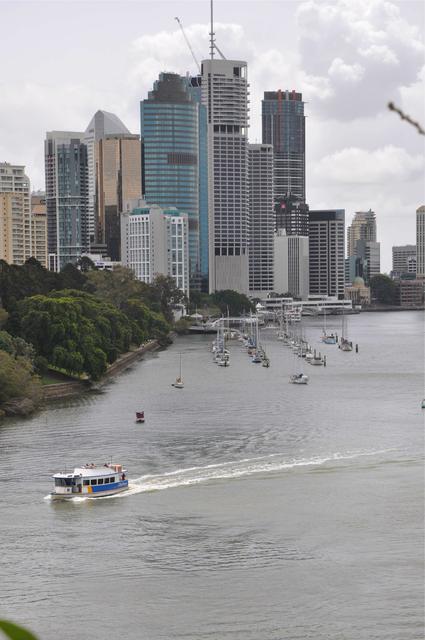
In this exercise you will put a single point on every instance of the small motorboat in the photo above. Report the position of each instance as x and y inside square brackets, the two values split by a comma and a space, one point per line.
[178, 384]
[299, 378]
[90, 481]
[140, 416]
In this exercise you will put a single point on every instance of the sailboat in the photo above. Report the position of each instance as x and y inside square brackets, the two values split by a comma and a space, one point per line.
[327, 338]
[301, 377]
[344, 343]
[179, 384]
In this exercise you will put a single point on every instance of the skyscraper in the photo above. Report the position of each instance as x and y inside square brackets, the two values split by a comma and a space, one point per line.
[39, 227]
[225, 95]
[102, 124]
[362, 243]
[261, 218]
[291, 214]
[291, 264]
[174, 155]
[326, 252]
[118, 179]
[66, 197]
[283, 124]
[16, 212]
[404, 257]
[420, 242]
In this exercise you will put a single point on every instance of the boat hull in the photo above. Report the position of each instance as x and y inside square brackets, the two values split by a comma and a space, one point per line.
[97, 494]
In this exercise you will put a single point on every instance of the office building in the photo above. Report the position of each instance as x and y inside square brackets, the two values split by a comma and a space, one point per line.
[362, 243]
[261, 218]
[66, 172]
[102, 125]
[411, 292]
[155, 241]
[225, 95]
[39, 228]
[291, 214]
[174, 158]
[291, 265]
[16, 210]
[404, 260]
[326, 252]
[283, 126]
[420, 242]
[118, 179]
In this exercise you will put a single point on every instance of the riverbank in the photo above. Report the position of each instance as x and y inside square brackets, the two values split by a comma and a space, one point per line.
[75, 387]
[391, 307]
[70, 388]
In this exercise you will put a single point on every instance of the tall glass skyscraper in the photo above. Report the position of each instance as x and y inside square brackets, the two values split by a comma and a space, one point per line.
[66, 197]
[283, 124]
[174, 156]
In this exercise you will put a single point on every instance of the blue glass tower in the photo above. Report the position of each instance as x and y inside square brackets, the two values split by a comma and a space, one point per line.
[174, 159]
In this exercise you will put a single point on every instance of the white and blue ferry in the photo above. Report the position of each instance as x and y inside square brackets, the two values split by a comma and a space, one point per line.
[90, 481]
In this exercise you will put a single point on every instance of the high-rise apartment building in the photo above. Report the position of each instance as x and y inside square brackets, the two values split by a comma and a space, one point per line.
[291, 264]
[12, 228]
[114, 176]
[68, 227]
[39, 228]
[326, 252]
[403, 258]
[174, 156]
[16, 209]
[155, 241]
[261, 218]
[225, 95]
[362, 243]
[283, 125]
[420, 242]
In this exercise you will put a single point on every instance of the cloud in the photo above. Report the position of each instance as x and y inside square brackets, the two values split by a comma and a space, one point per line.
[363, 167]
[364, 49]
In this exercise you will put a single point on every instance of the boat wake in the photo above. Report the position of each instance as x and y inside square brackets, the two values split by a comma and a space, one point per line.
[227, 470]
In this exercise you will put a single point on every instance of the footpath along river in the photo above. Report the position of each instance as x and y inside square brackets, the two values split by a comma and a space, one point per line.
[258, 510]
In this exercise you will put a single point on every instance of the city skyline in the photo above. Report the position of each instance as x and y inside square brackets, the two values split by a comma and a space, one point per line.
[359, 155]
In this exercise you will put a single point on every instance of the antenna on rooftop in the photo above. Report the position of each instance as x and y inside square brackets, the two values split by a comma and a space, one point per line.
[213, 44]
[188, 44]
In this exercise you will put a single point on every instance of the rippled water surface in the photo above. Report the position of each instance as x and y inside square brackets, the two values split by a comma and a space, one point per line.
[257, 509]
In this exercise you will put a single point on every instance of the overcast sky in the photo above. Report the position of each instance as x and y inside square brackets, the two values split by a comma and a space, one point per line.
[64, 60]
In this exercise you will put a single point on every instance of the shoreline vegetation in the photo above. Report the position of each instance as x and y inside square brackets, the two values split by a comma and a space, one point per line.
[74, 327]
[64, 333]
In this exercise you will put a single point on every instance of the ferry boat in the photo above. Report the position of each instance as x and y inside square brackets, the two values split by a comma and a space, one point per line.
[90, 481]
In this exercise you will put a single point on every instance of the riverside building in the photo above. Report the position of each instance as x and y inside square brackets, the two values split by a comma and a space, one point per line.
[155, 241]
[15, 214]
[225, 95]
[362, 243]
[326, 252]
[66, 173]
[291, 264]
[420, 242]
[261, 219]
[404, 260]
[174, 165]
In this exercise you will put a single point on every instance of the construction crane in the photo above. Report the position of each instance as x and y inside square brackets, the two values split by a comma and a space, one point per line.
[188, 44]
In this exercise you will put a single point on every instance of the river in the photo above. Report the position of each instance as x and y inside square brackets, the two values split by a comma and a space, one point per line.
[258, 510]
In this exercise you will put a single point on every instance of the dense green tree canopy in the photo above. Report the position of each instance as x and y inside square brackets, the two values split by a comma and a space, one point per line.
[16, 377]
[236, 303]
[384, 290]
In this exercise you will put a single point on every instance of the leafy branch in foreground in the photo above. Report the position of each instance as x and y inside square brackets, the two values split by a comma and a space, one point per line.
[404, 116]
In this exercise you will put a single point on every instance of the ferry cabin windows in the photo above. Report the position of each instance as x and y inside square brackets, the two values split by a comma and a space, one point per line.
[86, 482]
[64, 482]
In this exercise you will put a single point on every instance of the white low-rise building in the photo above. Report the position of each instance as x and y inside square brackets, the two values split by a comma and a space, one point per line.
[154, 241]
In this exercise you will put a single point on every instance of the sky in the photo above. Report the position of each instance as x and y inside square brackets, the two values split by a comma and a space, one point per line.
[64, 60]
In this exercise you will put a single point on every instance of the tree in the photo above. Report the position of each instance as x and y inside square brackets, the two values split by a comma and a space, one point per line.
[85, 264]
[384, 289]
[71, 277]
[232, 301]
[167, 294]
[117, 286]
[16, 378]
